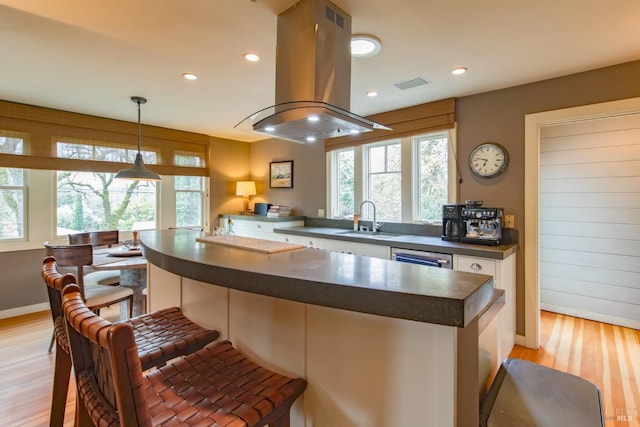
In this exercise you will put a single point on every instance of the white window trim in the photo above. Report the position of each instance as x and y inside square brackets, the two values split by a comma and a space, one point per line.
[408, 175]
[40, 219]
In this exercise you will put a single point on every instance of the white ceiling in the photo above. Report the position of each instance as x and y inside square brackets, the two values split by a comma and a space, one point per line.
[90, 57]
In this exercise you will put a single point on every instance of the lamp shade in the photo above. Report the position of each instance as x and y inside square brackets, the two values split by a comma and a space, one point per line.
[245, 188]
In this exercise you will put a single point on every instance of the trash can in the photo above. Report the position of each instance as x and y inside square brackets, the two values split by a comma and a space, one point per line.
[525, 394]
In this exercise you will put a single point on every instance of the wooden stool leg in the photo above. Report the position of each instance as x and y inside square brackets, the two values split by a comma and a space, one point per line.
[53, 340]
[61, 375]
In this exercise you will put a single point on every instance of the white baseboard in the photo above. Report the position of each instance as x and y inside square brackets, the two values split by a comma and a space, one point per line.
[27, 309]
[604, 318]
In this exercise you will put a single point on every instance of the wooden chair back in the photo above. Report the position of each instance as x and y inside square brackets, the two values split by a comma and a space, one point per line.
[77, 256]
[106, 365]
[96, 238]
[55, 282]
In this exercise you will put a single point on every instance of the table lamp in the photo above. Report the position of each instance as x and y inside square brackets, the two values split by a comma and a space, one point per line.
[245, 189]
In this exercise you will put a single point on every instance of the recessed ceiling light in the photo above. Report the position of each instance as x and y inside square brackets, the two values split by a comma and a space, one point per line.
[311, 139]
[190, 76]
[372, 93]
[269, 128]
[458, 71]
[252, 57]
[364, 46]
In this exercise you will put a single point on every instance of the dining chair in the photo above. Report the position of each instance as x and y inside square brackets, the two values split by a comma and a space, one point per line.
[107, 239]
[160, 336]
[216, 385]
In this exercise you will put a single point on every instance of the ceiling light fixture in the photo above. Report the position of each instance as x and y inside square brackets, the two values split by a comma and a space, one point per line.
[138, 171]
[364, 46]
[190, 76]
[459, 70]
[372, 93]
[251, 57]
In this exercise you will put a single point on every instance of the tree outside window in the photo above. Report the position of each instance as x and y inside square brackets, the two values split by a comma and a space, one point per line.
[432, 176]
[189, 192]
[12, 193]
[97, 201]
[385, 180]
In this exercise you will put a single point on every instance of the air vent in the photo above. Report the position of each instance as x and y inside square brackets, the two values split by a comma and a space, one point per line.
[419, 81]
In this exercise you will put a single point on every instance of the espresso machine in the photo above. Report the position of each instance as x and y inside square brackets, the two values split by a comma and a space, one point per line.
[481, 225]
[451, 222]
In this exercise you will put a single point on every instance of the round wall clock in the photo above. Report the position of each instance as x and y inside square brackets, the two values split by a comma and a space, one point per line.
[488, 160]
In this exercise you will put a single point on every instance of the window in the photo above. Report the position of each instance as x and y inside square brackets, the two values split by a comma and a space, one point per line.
[96, 201]
[408, 179]
[344, 180]
[384, 179]
[95, 151]
[12, 192]
[431, 153]
[189, 192]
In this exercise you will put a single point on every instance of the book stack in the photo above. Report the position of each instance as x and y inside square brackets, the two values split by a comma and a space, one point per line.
[276, 211]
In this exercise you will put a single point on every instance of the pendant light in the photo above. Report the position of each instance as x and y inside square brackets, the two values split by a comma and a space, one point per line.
[138, 171]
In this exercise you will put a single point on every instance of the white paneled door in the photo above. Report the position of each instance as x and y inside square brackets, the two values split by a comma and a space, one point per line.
[589, 213]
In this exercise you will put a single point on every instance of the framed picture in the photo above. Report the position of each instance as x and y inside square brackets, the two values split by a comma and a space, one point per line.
[281, 174]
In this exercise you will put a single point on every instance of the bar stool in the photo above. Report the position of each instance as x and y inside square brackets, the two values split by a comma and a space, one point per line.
[160, 336]
[214, 386]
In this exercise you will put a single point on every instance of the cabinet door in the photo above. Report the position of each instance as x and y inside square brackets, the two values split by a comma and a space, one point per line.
[374, 251]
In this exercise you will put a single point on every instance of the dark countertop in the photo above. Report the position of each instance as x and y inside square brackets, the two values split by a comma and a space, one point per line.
[325, 278]
[404, 241]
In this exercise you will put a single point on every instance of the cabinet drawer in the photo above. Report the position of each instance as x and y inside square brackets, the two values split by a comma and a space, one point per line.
[255, 226]
[475, 265]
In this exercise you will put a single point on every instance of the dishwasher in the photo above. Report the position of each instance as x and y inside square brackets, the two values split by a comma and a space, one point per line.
[430, 259]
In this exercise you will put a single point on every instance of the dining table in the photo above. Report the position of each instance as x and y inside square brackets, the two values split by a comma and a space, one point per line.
[133, 270]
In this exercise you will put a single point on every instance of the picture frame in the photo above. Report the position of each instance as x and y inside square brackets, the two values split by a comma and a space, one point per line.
[281, 174]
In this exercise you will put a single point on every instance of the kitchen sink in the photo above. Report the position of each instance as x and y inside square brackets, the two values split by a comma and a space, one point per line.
[367, 234]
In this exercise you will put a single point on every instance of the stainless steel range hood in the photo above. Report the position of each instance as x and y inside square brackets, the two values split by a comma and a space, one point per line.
[313, 78]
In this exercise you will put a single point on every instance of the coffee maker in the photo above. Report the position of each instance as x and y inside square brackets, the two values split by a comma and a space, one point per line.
[451, 222]
[481, 225]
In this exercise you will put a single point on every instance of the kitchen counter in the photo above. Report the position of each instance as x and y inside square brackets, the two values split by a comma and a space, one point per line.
[330, 279]
[380, 342]
[404, 241]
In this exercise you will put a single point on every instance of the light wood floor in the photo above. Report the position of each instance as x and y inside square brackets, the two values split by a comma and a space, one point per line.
[606, 355]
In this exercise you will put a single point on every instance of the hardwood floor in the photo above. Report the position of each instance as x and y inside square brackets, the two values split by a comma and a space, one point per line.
[608, 356]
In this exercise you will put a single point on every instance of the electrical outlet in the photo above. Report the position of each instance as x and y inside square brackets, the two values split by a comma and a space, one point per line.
[509, 221]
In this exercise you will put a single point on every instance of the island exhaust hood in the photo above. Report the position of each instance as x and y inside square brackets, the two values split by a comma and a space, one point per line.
[313, 78]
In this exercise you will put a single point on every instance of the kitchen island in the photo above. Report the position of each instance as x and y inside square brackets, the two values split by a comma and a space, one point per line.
[380, 343]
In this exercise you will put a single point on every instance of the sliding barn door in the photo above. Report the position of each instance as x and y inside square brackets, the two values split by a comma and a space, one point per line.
[590, 219]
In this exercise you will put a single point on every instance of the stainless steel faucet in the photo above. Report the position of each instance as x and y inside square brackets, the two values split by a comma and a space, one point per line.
[374, 223]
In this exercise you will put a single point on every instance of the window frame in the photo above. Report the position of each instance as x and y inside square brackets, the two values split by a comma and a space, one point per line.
[409, 174]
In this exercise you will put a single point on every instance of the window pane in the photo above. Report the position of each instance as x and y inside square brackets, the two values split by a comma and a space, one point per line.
[188, 208]
[11, 213]
[11, 145]
[90, 151]
[345, 183]
[385, 192]
[433, 177]
[394, 159]
[188, 183]
[95, 201]
[385, 181]
[377, 157]
[12, 192]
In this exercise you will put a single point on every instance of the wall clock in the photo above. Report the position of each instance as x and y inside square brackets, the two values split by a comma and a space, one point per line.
[488, 160]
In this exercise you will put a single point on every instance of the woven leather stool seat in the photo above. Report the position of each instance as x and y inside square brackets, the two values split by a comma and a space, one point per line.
[215, 386]
[166, 334]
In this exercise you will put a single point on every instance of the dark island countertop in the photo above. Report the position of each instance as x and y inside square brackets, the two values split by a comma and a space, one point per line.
[330, 279]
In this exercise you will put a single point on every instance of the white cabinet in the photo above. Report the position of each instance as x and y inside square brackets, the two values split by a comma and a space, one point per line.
[261, 229]
[497, 340]
[374, 251]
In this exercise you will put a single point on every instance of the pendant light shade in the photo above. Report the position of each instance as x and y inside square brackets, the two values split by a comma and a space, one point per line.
[138, 171]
